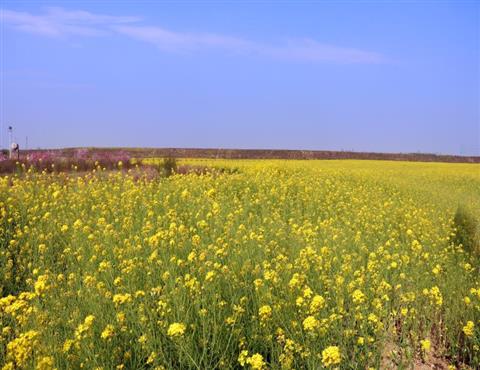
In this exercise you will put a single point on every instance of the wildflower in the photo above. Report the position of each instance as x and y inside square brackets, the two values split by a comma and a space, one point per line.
[294, 281]
[331, 356]
[210, 275]
[318, 302]
[358, 297]
[121, 317]
[151, 358]
[89, 320]
[176, 330]
[307, 292]
[142, 339]
[83, 328]
[196, 240]
[299, 301]
[19, 350]
[120, 299]
[310, 323]
[108, 332]
[45, 363]
[435, 295]
[41, 285]
[242, 358]
[68, 345]
[469, 328]
[258, 283]
[425, 343]
[256, 361]
[265, 312]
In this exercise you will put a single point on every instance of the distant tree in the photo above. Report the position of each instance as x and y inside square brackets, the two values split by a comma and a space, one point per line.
[169, 166]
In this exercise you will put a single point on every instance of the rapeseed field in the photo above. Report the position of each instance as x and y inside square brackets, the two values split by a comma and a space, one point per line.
[276, 265]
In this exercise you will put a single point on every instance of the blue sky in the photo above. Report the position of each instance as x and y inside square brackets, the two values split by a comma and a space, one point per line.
[363, 76]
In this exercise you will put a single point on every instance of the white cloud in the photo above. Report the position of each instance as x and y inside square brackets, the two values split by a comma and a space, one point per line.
[294, 49]
[311, 50]
[177, 41]
[58, 22]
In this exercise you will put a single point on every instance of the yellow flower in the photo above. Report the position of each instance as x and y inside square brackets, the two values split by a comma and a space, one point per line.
[318, 302]
[151, 358]
[83, 328]
[469, 328]
[310, 323]
[89, 320]
[143, 339]
[77, 224]
[196, 240]
[425, 343]
[41, 285]
[119, 299]
[176, 330]
[20, 349]
[358, 297]
[242, 357]
[9, 366]
[45, 363]
[265, 312]
[108, 332]
[68, 345]
[294, 281]
[435, 295]
[307, 292]
[299, 301]
[331, 356]
[256, 361]
[210, 275]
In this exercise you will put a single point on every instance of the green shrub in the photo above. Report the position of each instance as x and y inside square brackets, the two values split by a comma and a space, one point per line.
[169, 166]
[467, 230]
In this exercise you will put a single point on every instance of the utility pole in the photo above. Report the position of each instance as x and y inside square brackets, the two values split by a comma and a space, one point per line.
[10, 133]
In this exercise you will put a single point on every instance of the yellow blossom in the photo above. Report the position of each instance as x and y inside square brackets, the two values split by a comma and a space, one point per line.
[256, 361]
[310, 324]
[425, 343]
[331, 356]
[108, 332]
[176, 330]
[468, 329]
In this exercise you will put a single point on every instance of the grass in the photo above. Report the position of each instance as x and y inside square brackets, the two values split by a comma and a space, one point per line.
[467, 231]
